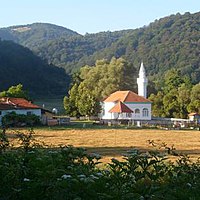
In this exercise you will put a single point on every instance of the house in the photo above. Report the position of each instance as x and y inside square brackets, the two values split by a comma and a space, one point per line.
[127, 105]
[19, 106]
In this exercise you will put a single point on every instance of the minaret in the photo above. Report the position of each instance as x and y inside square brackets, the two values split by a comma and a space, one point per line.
[142, 82]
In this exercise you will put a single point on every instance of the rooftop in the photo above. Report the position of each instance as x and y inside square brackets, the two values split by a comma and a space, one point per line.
[125, 96]
[120, 108]
[7, 103]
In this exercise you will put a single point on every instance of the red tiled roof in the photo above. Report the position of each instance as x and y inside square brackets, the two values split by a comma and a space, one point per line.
[7, 103]
[120, 108]
[125, 96]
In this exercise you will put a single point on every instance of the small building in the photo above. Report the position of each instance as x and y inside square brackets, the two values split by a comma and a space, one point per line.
[127, 105]
[19, 106]
[194, 117]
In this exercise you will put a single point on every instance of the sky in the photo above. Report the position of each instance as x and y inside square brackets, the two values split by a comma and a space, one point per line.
[92, 16]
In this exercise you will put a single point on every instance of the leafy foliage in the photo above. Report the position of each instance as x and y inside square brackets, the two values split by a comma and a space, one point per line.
[177, 97]
[33, 172]
[15, 91]
[16, 120]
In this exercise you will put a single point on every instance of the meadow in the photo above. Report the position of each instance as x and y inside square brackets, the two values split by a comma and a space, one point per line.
[115, 142]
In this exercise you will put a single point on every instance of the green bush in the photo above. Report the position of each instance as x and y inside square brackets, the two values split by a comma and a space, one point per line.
[16, 120]
[34, 172]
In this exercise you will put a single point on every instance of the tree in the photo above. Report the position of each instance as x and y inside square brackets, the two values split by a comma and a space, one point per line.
[194, 105]
[15, 91]
[174, 97]
[157, 104]
[97, 82]
[70, 102]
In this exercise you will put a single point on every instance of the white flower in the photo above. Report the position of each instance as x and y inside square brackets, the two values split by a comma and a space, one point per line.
[99, 174]
[189, 184]
[30, 152]
[66, 176]
[81, 176]
[93, 177]
[26, 179]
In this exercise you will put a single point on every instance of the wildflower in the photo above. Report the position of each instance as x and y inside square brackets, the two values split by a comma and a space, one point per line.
[30, 152]
[99, 174]
[81, 176]
[66, 176]
[26, 179]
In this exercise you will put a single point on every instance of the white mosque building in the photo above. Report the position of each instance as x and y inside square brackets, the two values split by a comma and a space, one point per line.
[127, 105]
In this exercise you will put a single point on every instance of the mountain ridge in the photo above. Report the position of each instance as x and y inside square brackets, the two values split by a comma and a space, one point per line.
[166, 43]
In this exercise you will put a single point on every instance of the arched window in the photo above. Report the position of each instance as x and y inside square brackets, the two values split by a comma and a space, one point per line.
[145, 112]
[137, 111]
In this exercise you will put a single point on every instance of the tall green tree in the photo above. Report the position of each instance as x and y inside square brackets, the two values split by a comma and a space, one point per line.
[70, 102]
[174, 97]
[194, 105]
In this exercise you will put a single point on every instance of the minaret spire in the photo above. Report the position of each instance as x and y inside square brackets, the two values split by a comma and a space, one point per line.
[142, 82]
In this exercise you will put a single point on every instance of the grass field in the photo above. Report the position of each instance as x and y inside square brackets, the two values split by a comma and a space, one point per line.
[115, 142]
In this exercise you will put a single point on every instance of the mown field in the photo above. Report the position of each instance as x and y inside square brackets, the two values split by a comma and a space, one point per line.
[111, 143]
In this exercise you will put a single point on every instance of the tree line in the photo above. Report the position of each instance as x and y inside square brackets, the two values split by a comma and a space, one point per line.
[177, 96]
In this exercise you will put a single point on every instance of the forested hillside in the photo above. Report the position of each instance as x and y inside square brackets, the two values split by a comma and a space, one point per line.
[19, 65]
[32, 35]
[169, 43]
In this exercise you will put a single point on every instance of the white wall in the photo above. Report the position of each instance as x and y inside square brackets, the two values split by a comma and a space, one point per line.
[105, 108]
[140, 106]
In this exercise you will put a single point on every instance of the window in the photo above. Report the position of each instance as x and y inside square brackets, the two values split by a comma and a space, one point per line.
[137, 111]
[145, 112]
[29, 113]
[128, 115]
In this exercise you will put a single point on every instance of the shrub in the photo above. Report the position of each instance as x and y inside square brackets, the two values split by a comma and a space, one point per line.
[35, 172]
[16, 120]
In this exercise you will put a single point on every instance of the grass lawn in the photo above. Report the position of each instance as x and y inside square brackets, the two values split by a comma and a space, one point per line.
[113, 142]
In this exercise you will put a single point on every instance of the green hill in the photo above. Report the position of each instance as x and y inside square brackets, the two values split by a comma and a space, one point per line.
[19, 65]
[31, 35]
[170, 42]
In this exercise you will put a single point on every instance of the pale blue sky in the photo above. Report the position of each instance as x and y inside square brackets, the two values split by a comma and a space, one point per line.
[92, 15]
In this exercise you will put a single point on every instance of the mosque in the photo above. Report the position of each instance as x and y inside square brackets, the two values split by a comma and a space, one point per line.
[127, 105]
